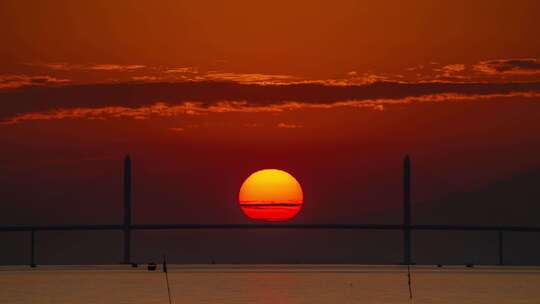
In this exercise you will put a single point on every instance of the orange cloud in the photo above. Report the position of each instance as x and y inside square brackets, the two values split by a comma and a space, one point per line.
[451, 72]
[59, 66]
[146, 78]
[521, 66]
[116, 67]
[492, 70]
[162, 109]
[64, 66]
[288, 126]
[17, 81]
[458, 67]
[191, 70]
[415, 68]
[152, 98]
[250, 78]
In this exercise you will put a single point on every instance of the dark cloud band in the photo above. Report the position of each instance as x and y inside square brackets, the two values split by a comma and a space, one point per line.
[207, 94]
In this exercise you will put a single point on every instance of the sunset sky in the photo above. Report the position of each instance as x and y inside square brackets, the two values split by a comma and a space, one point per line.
[203, 93]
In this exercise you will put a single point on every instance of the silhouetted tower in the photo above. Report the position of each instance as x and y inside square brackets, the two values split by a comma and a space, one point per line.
[127, 210]
[406, 210]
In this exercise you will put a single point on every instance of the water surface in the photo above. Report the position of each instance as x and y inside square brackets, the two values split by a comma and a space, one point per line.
[271, 284]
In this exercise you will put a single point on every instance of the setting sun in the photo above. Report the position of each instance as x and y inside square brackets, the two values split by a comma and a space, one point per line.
[271, 195]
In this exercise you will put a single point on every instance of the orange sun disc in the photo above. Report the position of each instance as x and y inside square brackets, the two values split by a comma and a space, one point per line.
[271, 195]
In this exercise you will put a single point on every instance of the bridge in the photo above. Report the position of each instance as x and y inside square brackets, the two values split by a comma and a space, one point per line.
[406, 227]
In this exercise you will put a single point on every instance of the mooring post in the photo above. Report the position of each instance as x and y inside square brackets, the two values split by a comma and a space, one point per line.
[501, 260]
[32, 248]
[127, 210]
[407, 210]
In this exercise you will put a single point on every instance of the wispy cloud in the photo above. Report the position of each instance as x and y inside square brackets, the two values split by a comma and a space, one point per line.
[116, 67]
[17, 81]
[521, 66]
[499, 70]
[450, 72]
[415, 68]
[288, 125]
[182, 70]
[58, 66]
[356, 78]
[458, 67]
[524, 69]
[64, 66]
[250, 78]
[187, 91]
[162, 109]
[145, 78]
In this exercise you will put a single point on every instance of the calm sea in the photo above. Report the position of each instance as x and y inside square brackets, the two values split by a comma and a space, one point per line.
[272, 284]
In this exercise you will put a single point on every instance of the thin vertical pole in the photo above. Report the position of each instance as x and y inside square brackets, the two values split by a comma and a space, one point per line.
[407, 210]
[167, 278]
[409, 280]
[32, 248]
[127, 210]
[501, 261]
